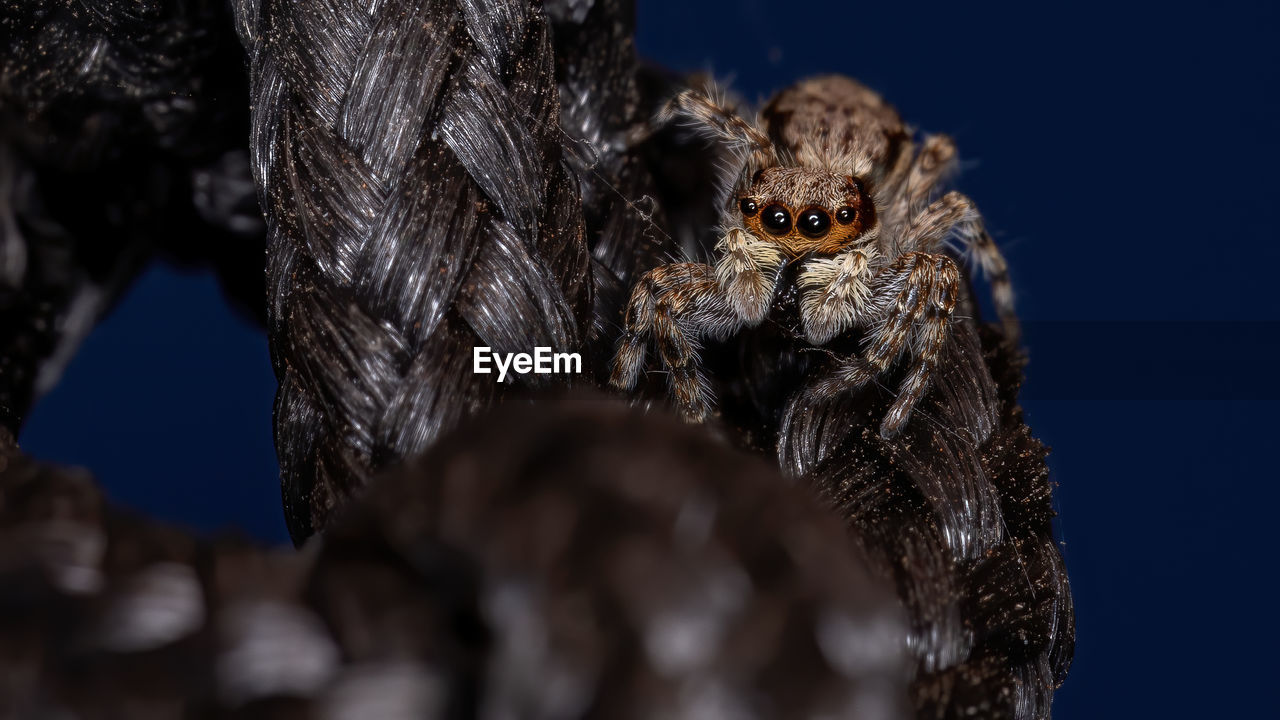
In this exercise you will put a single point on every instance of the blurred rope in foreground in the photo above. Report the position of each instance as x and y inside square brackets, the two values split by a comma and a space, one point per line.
[606, 564]
[121, 136]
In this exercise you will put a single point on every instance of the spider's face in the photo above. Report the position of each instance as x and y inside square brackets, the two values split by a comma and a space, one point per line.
[806, 210]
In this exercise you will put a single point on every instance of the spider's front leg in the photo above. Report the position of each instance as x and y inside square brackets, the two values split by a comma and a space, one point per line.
[920, 292]
[681, 303]
[675, 304]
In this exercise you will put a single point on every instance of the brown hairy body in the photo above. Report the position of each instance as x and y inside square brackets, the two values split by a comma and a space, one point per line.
[828, 177]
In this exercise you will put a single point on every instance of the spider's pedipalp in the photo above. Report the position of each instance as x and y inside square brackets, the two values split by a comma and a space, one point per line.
[901, 291]
[836, 291]
[747, 271]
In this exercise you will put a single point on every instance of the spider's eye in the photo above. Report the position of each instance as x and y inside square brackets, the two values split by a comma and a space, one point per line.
[813, 223]
[846, 215]
[776, 219]
[748, 206]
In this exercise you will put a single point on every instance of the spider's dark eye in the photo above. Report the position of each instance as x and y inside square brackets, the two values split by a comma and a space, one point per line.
[814, 223]
[846, 215]
[748, 206]
[776, 219]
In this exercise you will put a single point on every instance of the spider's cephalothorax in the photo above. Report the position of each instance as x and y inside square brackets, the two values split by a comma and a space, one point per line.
[829, 178]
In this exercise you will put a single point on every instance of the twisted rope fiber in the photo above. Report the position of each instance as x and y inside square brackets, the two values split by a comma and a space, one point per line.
[602, 104]
[408, 157]
[958, 511]
[118, 123]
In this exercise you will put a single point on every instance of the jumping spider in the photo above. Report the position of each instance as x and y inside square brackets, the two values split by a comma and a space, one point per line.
[828, 177]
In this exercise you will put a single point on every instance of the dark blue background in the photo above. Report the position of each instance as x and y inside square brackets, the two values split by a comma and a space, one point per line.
[1125, 159]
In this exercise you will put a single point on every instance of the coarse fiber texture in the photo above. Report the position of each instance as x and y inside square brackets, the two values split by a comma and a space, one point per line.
[958, 510]
[408, 155]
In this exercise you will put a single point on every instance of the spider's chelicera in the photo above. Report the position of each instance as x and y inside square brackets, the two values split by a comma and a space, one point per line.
[829, 178]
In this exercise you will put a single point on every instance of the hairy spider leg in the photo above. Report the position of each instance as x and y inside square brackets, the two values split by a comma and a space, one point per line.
[996, 271]
[918, 297]
[930, 166]
[637, 324]
[924, 287]
[933, 164]
[972, 233]
[930, 335]
[722, 124]
[678, 304]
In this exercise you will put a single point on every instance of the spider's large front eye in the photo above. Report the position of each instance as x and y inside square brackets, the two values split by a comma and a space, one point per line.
[813, 223]
[748, 207]
[776, 219]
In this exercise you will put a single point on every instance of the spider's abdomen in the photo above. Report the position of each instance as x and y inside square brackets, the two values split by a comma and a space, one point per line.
[835, 122]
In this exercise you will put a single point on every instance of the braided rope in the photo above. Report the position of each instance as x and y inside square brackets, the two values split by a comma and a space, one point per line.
[602, 105]
[958, 511]
[408, 156]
